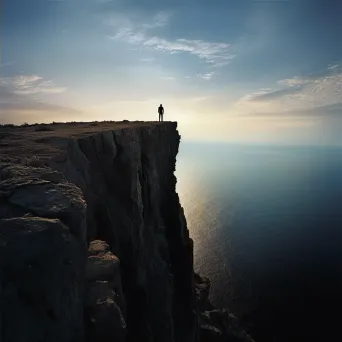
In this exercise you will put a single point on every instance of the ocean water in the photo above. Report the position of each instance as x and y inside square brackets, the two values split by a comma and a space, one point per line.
[267, 222]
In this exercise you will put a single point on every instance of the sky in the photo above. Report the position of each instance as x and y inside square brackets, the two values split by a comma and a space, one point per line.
[245, 71]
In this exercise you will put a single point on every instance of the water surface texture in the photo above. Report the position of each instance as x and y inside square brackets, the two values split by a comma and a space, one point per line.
[266, 222]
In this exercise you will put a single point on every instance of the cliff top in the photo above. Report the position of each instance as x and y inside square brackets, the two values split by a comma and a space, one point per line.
[49, 139]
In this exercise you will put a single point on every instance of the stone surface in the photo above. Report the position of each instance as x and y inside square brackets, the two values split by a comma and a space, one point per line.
[28, 190]
[42, 255]
[106, 323]
[105, 307]
[41, 272]
[98, 248]
[202, 291]
[103, 272]
[102, 268]
[216, 325]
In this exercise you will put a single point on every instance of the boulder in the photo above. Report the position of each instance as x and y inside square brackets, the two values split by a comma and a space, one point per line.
[24, 190]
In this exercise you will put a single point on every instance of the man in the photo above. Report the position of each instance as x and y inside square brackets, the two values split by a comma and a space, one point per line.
[161, 112]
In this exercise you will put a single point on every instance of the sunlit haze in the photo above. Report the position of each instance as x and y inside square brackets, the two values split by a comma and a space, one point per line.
[236, 71]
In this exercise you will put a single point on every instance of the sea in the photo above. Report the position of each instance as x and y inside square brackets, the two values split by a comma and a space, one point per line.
[267, 227]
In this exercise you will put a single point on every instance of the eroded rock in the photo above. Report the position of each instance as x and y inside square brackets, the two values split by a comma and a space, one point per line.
[42, 256]
[105, 307]
[216, 325]
[27, 190]
[106, 322]
[41, 272]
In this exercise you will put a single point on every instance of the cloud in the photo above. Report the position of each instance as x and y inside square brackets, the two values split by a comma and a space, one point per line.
[333, 66]
[216, 54]
[273, 95]
[135, 32]
[208, 76]
[295, 81]
[18, 95]
[316, 94]
[31, 84]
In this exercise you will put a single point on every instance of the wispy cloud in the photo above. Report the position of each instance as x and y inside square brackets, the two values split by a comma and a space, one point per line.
[333, 66]
[264, 95]
[216, 54]
[319, 93]
[18, 95]
[31, 84]
[208, 76]
[134, 32]
[295, 81]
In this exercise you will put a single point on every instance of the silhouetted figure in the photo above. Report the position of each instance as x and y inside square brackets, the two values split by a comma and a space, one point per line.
[161, 112]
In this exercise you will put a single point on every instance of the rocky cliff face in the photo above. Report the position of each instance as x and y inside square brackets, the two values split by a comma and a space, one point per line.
[42, 256]
[112, 190]
[129, 186]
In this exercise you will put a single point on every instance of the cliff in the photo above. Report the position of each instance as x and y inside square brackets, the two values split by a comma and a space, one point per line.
[93, 240]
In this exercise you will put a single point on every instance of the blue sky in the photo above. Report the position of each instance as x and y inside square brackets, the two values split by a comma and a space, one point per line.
[240, 70]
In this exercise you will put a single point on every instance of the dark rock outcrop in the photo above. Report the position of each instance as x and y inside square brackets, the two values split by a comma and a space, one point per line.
[104, 300]
[115, 186]
[42, 256]
[216, 325]
[42, 192]
[41, 277]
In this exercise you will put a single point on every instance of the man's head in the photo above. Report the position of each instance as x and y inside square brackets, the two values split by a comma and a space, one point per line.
[161, 105]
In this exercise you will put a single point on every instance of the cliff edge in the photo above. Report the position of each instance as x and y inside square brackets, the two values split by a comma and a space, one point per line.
[93, 240]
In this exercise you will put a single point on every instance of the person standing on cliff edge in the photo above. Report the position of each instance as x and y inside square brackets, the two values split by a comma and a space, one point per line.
[161, 112]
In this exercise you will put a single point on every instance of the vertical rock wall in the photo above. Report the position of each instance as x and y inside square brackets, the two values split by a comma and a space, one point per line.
[127, 177]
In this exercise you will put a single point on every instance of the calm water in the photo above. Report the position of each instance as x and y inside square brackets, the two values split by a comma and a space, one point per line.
[267, 223]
